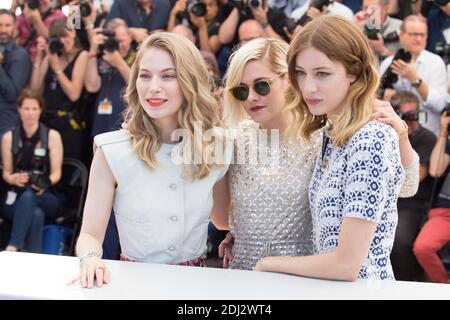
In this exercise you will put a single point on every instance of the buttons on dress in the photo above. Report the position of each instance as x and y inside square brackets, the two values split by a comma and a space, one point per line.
[174, 218]
[173, 186]
[172, 248]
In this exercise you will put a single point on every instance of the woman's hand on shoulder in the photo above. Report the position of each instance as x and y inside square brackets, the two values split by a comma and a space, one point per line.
[385, 113]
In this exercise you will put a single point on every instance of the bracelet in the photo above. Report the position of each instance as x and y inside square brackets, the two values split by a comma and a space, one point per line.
[404, 132]
[91, 254]
[36, 65]
[89, 26]
[58, 72]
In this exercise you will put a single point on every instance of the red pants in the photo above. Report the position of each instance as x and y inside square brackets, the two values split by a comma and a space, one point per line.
[432, 237]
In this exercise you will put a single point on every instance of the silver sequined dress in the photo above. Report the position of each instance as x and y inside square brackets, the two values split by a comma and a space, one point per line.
[270, 213]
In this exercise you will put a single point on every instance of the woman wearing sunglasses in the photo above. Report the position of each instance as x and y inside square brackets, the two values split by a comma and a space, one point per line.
[358, 173]
[270, 212]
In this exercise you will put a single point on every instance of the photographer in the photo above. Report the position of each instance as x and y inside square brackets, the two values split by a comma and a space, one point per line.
[59, 70]
[383, 40]
[141, 16]
[424, 75]
[273, 21]
[438, 25]
[411, 211]
[435, 234]
[36, 18]
[15, 70]
[249, 30]
[32, 163]
[108, 70]
[202, 17]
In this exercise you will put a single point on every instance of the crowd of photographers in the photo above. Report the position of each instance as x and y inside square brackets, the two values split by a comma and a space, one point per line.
[79, 74]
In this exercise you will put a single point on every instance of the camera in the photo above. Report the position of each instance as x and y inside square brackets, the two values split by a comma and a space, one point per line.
[443, 50]
[319, 4]
[32, 4]
[111, 44]
[255, 3]
[391, 37]
[291, 23]
[55, 46]
[85, 8]
[420, 115]
[197, 8]
[389, 77]
[38, 175]
[371, 33]
[239, 4]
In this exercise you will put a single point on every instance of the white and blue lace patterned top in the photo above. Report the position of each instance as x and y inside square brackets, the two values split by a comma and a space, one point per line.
[362, 179]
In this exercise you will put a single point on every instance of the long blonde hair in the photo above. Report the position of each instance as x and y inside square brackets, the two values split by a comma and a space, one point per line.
[341, 41]
[274, 50]
[198, 106]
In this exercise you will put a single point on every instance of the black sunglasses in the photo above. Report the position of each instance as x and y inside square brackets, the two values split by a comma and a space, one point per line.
[261, 87]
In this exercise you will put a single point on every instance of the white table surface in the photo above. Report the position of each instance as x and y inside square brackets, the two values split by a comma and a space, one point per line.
[38, 276]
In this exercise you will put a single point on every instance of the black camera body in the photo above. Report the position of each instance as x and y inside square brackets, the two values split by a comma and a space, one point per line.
[85, 8]
[38, 176]
[443, 50]
[55, 46]
[412, 116]
[197, 8]
[391, 37]
[371, 33]
[420, 116]
[291, 24]
[389, 77]
[32, 4]
[111, 44]
[319, 4]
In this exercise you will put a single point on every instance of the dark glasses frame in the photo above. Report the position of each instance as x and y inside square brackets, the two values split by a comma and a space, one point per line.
[261, 87]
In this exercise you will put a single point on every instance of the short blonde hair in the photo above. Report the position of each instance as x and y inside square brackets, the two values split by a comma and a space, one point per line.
[341, 41]
[273, 50]
[199, 105]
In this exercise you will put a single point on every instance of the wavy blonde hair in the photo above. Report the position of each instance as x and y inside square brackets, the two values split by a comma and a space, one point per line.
[274, 50]
[341, 41]
[198, 106]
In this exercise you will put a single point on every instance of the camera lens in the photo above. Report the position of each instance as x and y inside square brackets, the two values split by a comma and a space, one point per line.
[198, 9]
[256, 3]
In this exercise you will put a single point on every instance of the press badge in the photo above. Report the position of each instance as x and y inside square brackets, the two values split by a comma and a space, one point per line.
[39, 152]
[11, 198]
[105, 107]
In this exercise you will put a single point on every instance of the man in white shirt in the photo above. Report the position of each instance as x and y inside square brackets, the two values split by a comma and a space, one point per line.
[425, 75]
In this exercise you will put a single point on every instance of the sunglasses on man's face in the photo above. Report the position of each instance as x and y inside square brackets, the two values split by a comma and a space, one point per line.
[261, 87]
